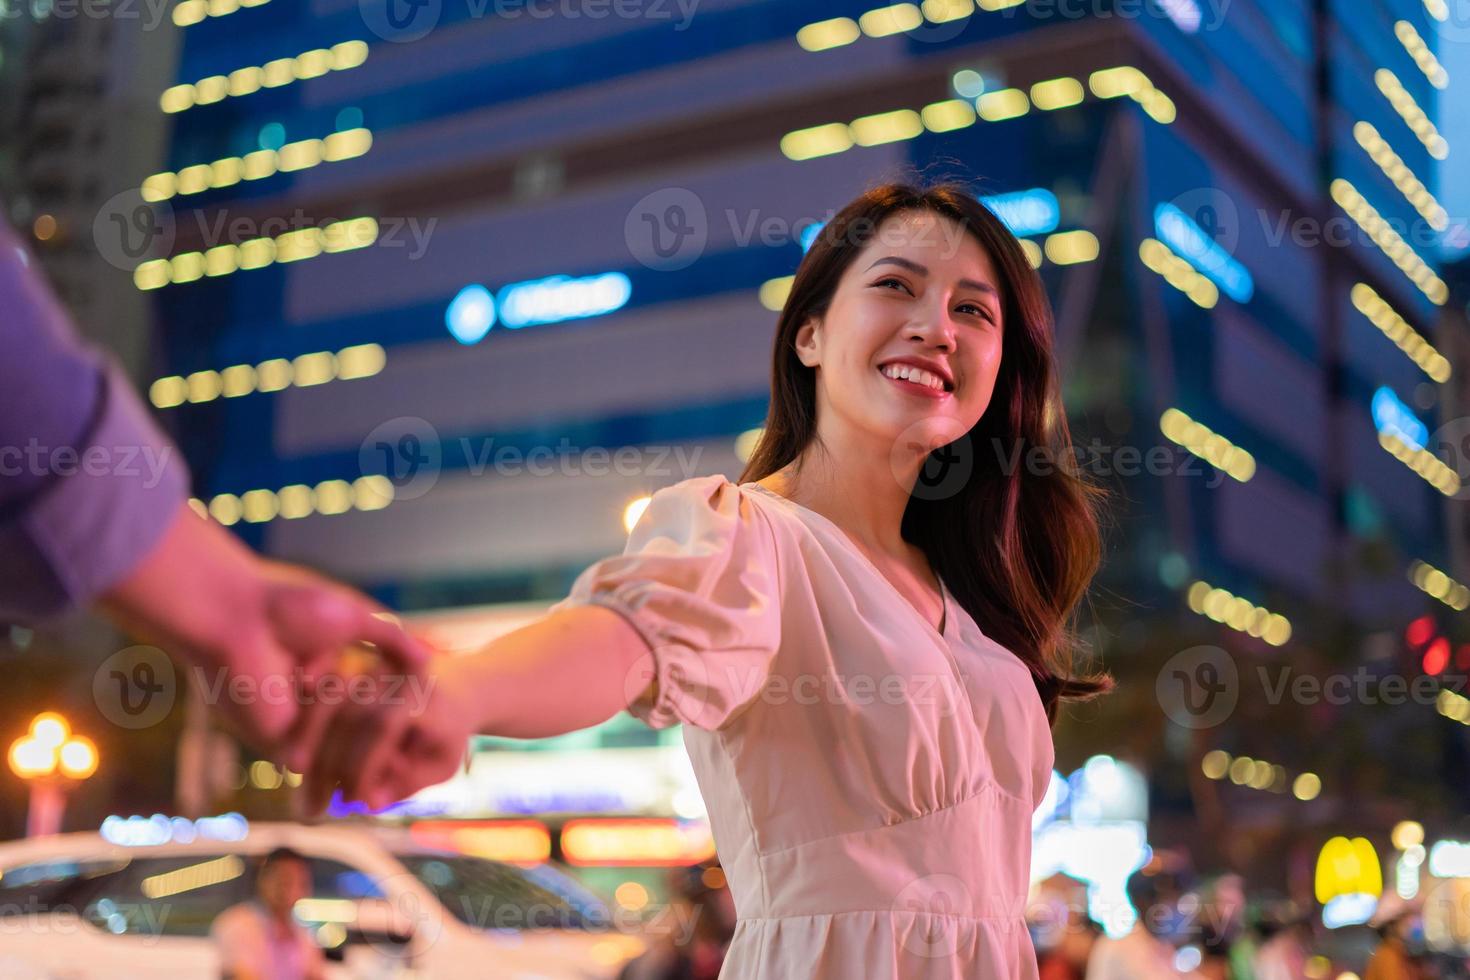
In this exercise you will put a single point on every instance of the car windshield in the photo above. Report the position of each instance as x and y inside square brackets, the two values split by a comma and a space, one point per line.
[489, 895]
[45, 885]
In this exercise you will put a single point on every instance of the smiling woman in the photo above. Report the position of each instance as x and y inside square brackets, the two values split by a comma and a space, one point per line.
[932, 279]
[864, 637]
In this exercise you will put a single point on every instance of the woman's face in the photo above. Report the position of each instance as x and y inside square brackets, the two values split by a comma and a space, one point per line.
[922, 292]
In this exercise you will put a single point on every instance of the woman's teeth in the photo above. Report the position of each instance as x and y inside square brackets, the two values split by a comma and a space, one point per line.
[906, 372]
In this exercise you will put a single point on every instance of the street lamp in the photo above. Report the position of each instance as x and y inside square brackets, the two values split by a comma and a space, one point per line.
[51, 760]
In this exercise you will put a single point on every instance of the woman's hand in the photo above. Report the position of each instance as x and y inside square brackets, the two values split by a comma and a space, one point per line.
[410, 733]
[571, 670]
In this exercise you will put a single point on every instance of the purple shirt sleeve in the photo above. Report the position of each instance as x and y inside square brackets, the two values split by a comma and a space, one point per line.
[88, 483]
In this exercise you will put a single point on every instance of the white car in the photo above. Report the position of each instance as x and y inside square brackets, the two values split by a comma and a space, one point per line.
[80, 907]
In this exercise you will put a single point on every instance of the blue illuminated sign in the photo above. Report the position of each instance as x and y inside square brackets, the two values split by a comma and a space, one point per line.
[136, 831]
[471, 314]
[809, 235]
[558, 298]
[1033, 212]
[474, 310]
[1197, 247]
[1185, 14]
[1394, 418]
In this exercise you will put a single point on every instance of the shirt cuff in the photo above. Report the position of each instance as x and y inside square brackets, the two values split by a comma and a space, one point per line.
[108, 502]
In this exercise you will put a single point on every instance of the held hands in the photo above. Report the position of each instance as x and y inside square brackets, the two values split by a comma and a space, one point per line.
[209, 600]
[385, 750]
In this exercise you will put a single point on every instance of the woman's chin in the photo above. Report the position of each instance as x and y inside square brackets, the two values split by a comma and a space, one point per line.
[916, 434]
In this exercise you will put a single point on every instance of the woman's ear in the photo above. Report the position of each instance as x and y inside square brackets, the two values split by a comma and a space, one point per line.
[808, 342]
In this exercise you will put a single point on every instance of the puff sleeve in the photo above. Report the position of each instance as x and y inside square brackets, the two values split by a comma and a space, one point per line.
[699, 581]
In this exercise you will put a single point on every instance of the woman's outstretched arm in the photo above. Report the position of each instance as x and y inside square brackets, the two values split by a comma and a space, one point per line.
[570, 670]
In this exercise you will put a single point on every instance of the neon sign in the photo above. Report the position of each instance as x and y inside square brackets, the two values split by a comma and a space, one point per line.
[1199, 248]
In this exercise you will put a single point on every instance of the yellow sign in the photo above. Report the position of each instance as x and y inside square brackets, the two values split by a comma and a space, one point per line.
[1348, 867]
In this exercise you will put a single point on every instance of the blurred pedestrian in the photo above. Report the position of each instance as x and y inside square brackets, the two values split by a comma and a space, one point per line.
[1226, 950]
[1068, 959]
[94, 513]
[1397, 956]
[687, 940]
[1286, 944]
[1143, 953]
[260, 939]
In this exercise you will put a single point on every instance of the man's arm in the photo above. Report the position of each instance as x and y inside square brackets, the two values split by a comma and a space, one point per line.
[88, 484]
[93, 511]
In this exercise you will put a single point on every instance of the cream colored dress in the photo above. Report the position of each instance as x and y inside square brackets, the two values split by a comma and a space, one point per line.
[870, 781]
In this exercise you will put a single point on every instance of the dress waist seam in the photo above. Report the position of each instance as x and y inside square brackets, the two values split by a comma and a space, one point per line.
[989, 785]
[1014, 917]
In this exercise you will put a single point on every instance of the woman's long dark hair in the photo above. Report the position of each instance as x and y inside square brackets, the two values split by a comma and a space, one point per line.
[1016, 544]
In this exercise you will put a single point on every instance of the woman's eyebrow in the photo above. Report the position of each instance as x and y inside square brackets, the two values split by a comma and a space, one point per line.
[917, 269]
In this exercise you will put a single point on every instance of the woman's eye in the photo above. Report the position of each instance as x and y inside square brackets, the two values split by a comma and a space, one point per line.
[977, 310]
[896, 282]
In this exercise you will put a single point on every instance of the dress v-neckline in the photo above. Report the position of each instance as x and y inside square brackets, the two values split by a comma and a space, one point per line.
[945, 630]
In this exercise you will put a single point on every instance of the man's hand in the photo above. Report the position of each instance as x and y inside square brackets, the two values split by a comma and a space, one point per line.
[206, 598]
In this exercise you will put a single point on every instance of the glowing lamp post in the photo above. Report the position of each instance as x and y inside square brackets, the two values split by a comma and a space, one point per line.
[51, 760]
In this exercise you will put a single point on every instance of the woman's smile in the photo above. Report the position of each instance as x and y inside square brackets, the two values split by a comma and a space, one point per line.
[916, 383]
